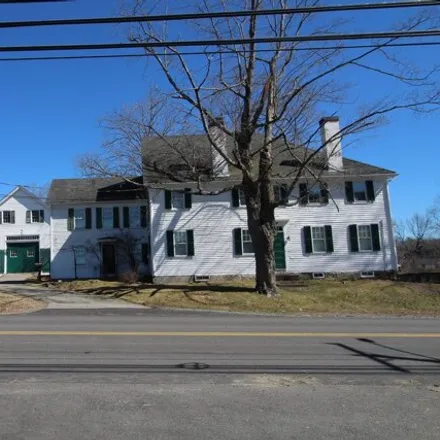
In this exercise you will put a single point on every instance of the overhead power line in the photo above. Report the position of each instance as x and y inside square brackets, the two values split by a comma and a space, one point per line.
[226, 42]
[214, 52]
[223, 14]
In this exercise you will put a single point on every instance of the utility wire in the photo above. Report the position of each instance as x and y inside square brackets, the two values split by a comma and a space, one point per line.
[225, 42]
[223, 14]
[216, 52]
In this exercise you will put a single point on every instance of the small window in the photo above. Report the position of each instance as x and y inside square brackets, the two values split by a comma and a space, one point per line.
[241, 197]
[80, 218]
[180, 243]
[107, 218]
[277, 193]
[318, 239]
[135, 217]
[248, 247]
[365, 238]
[35, 216]
[318, 275]
[315, 194]
[177, 200]
[30, 253]
[13, 253]
[369, 274]
[360, 191]
[80, 255]
[9, 217]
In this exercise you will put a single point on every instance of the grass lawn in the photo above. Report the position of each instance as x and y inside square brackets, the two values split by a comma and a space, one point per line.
[315, 296]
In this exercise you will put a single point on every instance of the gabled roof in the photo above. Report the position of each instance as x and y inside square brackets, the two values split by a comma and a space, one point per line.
[169, 152]
[89, 190]
[27, 193]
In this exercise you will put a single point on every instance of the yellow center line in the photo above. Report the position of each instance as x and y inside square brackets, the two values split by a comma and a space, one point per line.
[217, 334]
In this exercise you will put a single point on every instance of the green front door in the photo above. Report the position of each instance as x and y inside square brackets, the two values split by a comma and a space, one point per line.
[21, 257]
[278, 248]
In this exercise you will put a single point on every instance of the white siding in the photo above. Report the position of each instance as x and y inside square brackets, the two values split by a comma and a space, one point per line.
[63, 241]
[20, 202]
[213, 220]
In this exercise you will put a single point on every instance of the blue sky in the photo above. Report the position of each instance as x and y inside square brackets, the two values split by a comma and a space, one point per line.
[50, 111]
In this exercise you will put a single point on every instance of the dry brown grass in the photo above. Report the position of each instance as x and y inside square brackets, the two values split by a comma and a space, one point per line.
[11, 304]
[323, 296]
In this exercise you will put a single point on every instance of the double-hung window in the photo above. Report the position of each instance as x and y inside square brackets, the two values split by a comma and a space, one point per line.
[180, 243]
[243, 242]
[107, 217]
[364, 238]
[135, 216]
[80, 218]
[35, 216]
[318, 239]
[8, 217]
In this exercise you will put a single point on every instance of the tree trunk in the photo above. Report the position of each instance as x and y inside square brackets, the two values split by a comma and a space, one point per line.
[263, 236]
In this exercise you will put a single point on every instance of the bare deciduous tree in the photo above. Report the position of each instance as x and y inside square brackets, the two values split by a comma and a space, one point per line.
[274, 94]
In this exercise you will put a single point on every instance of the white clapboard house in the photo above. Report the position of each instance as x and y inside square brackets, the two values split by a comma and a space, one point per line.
[342, 225]
[24, 232]
[96, 227]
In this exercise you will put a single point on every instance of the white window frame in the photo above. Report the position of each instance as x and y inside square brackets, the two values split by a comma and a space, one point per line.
[364, 190]
[359, 238]
[277, 193]
[109, 218]
[79, 219]
[245, 232]
[32, 251]
[10, 216]
[180, 243]
[134, 214]
[320, 239]
[80, 255]
[177, 199]
[15, 255]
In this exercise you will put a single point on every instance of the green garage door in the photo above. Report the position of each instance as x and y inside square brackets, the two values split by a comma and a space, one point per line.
[21, 257]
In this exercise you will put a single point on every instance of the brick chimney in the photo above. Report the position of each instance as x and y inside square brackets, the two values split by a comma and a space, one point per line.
[331, 138]
[219, 165]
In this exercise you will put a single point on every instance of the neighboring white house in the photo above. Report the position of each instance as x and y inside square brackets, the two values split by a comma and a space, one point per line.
[24, 232]
[341, 225]
[99, 228]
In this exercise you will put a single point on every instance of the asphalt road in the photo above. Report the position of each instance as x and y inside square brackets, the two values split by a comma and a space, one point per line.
[136, 374]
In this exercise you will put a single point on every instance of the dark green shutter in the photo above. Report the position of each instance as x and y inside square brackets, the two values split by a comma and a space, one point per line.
[370, 190]
[284, 193]
[329, 238]
[188, 198]
[98, 218]
[12, 216]
[354, 244]
[167, 199]
[308, 247]
[28, 216]
[190, 242]
[126, 215]
[70, 219]
[375, 236]
[2, 261]
[303, 193]
[116, 217]
[238, 248]
[1, 217]
[143, 213]
[45, 260]
[42, 216]
[170, 243]
[145, 253]
[349, 195]
[324, 193]
[88, 218]
[235, 197]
